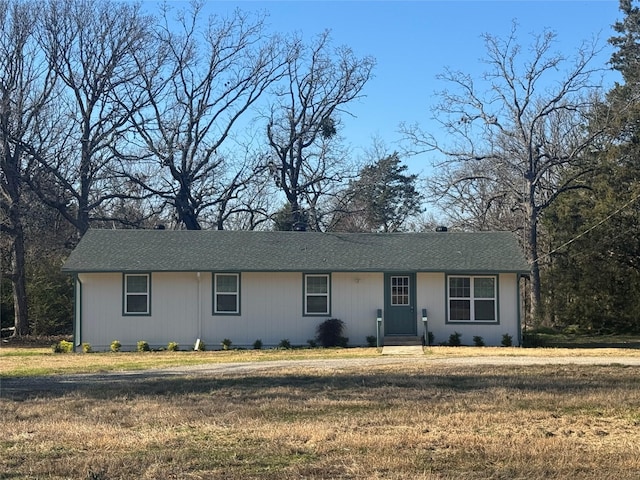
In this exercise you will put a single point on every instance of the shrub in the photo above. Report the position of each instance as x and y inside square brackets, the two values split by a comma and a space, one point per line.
[478, 341]
[329, 333]
[116, 346]
[173, 347]
[200, 346]
[284, 344]
[431, 338]
[372, 341]
[454, 339]
[507, 340]
[143, 346]
[226, 343]
[86, 348]
[62, 347]
[257, 345]
[312, 343]
[571, 330]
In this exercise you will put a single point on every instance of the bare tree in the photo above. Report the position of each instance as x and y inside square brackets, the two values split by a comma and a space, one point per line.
[208, 74]
[89, 46]
[26, 86]
[518, 145]
[304, 120]
[251, 205]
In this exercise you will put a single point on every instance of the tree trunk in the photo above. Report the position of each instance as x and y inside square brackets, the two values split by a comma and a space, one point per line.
[532, 254]
[19, 280]
[185, 211]
[298, 223]
[12, 190]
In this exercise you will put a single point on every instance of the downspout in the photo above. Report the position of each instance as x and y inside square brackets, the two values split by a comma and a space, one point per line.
[199, 305]
[519, 308]
[77, 311]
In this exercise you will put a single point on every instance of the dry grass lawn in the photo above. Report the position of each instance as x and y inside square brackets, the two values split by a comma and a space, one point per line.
[400, 421]
[20, 362]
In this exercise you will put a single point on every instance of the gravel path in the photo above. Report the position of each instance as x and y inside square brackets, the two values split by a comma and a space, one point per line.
[19, 388]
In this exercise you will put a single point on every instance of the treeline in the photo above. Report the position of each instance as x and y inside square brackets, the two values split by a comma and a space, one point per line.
[114, 118]
[592, 250]
[539, 146]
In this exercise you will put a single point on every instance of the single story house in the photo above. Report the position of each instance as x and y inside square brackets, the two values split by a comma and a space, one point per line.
[165, 286]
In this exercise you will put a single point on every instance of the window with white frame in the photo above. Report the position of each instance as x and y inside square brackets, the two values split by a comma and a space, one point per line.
[472, 299]
[316, 294]
[137, 294]
[226, 294]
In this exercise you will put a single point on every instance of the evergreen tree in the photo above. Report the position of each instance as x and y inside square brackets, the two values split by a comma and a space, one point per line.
[380, 199]
[594, 275]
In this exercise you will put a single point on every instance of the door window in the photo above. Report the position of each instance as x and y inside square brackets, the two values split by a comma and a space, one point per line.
[399, 291]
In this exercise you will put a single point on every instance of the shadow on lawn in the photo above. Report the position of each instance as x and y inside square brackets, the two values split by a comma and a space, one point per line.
[571, 380]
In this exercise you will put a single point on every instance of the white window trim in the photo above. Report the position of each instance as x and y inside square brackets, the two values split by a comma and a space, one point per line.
[127, 294]
[306, 295]
[472, 299]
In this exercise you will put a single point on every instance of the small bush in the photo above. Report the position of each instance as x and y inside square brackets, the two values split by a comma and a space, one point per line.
[312, 343]
[431, 338]
[86, 348]
[173, 347]
[226, 343]
[454, 339]
[571, 330]
[116, 346]
[257, 345]
[200, 346]
[329, 333]
[62, 347]
[507, 340]
[143, 346]
[284, 344]
[372, 341]
[478, 341]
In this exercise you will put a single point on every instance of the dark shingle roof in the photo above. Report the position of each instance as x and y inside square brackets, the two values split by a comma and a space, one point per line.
[168, 250]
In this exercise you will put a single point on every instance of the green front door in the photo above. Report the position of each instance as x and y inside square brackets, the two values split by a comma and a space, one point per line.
[400, 304]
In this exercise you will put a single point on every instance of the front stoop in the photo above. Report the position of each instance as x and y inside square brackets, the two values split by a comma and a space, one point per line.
[402, 350]
[401, 340]
[402, 345]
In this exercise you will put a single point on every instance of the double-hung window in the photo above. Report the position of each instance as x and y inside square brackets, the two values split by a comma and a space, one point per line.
[137, 294]
[317, 299]
[472, 299]
[226, 293]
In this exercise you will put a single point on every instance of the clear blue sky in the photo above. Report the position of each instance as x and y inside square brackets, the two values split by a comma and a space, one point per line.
[413, 41]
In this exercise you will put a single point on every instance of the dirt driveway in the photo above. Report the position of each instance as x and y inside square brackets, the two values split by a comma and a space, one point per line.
[20, 388]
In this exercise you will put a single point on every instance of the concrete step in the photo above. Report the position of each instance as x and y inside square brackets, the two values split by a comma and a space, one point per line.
[403, 350]
[402, 341]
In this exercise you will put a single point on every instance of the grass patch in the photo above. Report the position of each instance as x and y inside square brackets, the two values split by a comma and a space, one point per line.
[394, 421]
[548, 337]
[41, 361]
[33, 362]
